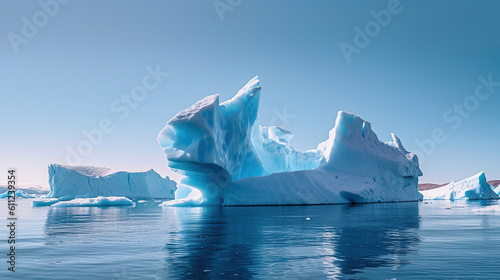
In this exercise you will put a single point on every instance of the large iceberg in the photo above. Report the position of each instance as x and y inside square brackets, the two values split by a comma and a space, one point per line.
[227, 158]
[68, 182]
[475, 187]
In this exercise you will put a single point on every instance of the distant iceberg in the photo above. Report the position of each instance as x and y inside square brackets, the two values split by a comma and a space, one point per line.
[96, 202]
[472, 188]
[27, 187]
[18, 194]
[227, 158]
[68, 182]
[497, 190]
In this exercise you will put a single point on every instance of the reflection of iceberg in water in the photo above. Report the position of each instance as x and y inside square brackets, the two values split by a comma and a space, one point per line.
[209, 245]
[107, 243]
[278, 242]
[83, 220]
[381, 238]
[281, 242]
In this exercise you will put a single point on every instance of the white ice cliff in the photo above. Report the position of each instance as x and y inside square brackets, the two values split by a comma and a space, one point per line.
[68, 182]
[228, 159]
[474, 187]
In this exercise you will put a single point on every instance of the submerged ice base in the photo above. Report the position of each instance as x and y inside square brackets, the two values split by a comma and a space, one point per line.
[99, 201]
[68, 182]
[227, 158]
[473, 188]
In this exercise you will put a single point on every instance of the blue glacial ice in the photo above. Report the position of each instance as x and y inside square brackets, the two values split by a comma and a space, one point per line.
[68, 182]
[99, 201]
[472, 188]
[227, 158]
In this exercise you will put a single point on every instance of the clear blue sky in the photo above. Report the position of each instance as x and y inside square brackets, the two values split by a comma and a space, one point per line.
[87, 54]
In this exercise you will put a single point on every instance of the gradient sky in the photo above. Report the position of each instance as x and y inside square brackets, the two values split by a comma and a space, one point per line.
[424, 61]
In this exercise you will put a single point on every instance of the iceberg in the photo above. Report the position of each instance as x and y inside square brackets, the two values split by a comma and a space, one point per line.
[227, 158]
[472, 188]
[497, 190]
[18, 194]
[68, 182]
[99, 201]
[27, 187]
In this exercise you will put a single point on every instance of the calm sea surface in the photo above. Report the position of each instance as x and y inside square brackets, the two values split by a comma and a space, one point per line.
[435, 240]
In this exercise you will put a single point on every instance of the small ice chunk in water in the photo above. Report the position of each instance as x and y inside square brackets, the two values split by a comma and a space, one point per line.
[39, 202]
[487, 209]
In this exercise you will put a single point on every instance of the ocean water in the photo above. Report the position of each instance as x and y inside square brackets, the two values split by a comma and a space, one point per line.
[424, 240]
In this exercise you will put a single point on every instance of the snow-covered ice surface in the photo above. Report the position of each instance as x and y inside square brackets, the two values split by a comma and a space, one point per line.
[18, 194]
[100, 201]
[68, 182]
[229, 159]
[475, 187]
